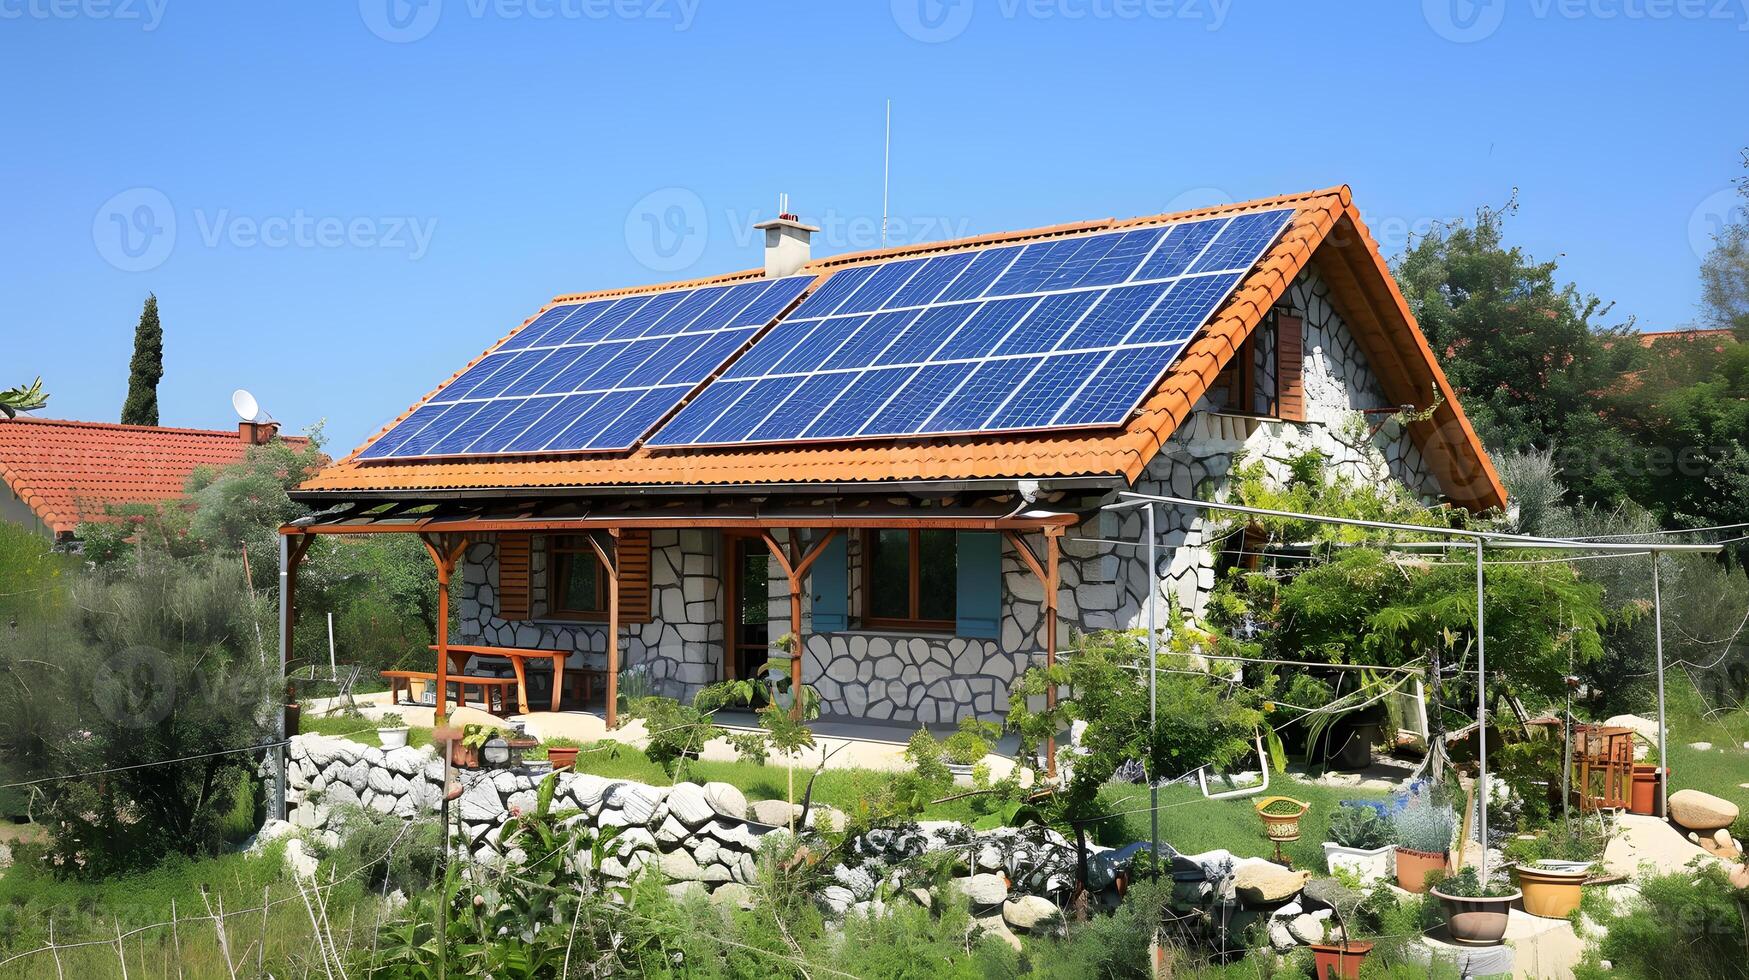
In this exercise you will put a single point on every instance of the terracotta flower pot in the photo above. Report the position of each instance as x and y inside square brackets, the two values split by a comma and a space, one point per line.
[1548, 893]
[562, 757]
[1333, 960]
[1476, 921]
[1413, 867]
[1644, 799]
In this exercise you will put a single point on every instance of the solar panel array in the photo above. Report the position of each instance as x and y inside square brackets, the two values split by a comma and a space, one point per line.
[589, 377]
[1066, 333]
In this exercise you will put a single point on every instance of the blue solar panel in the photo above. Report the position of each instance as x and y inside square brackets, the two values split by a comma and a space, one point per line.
[1068, 332]
[593, 376]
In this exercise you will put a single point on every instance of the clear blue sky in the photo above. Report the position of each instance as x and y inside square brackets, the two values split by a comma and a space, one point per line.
[339, 203]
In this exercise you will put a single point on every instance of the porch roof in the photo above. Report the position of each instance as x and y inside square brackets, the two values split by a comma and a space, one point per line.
[463, 517]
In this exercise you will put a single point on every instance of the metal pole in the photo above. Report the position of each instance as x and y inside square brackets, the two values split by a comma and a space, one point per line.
[1481, 712]
[278, 705]
[1663, 733]
[1153, 691]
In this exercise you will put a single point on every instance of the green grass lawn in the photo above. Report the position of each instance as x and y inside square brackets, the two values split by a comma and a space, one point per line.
[1720, 770]
[357, 729]
[1192, 824]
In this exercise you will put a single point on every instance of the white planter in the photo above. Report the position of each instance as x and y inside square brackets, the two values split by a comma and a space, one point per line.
[1370, 867]
[392, 738]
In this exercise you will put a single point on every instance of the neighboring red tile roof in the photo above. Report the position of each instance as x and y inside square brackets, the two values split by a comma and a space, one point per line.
[68, 472]
[1719, 338]
[1326, 231]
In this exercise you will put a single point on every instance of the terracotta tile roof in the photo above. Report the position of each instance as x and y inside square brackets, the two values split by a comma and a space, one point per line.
[1718, 338]
[68, 472]
[1326, 230]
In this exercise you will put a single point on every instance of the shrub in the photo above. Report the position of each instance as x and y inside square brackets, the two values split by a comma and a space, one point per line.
[1359, 827]
[158, 665]
[971, 743]
[1424, 825]
[1466, 883]
[1686, 924]
[390, 719]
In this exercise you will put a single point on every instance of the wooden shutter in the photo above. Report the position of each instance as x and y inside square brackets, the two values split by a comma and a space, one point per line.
[634, 576]
[513, 576]
[978, 585]
[1289, 368]
[829, 578]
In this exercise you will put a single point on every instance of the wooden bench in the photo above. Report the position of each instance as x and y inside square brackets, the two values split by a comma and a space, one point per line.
[487, 687]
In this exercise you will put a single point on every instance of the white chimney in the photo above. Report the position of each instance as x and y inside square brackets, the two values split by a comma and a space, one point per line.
[786, 242]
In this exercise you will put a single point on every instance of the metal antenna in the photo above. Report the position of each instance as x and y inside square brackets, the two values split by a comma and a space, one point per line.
[886, 172]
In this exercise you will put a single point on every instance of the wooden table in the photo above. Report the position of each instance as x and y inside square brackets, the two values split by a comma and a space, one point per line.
[459, 654]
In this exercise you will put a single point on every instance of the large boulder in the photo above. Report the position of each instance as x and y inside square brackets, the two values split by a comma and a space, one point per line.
[1030, 912]
[1263, 883]
[773, 813]
[1702, 812]
[985, 889]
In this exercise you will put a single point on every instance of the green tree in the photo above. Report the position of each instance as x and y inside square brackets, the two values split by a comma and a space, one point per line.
[24, 398]
[146, 369]
[1529, 354]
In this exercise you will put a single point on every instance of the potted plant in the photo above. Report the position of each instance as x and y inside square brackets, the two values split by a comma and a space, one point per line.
[968, 746]
[562, 756]
[1338, 956]
[466, 753]
[1423, 832]
[1281, 821]
[1360, 844]
[392, 730]
[1476, 912]
[1553, 867]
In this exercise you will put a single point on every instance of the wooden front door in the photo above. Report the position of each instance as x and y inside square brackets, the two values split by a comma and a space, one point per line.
[746, 574]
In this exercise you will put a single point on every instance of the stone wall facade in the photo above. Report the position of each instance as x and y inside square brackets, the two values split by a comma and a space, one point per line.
[928, 678]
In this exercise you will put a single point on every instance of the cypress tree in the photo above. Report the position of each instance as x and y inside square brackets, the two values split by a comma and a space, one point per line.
[146, 369]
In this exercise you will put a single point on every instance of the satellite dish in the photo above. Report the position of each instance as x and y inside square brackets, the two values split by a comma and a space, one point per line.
[248, 409]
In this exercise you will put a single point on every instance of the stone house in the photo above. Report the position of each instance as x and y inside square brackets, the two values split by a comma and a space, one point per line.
[924, 565]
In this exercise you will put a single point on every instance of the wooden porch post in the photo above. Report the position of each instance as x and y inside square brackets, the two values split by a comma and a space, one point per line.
[291, 555]
[795, 567]
[445, 550]
[1047, 574]
[610, 563]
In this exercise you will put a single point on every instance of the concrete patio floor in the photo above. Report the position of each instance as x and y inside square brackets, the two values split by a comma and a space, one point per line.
[839, 743]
